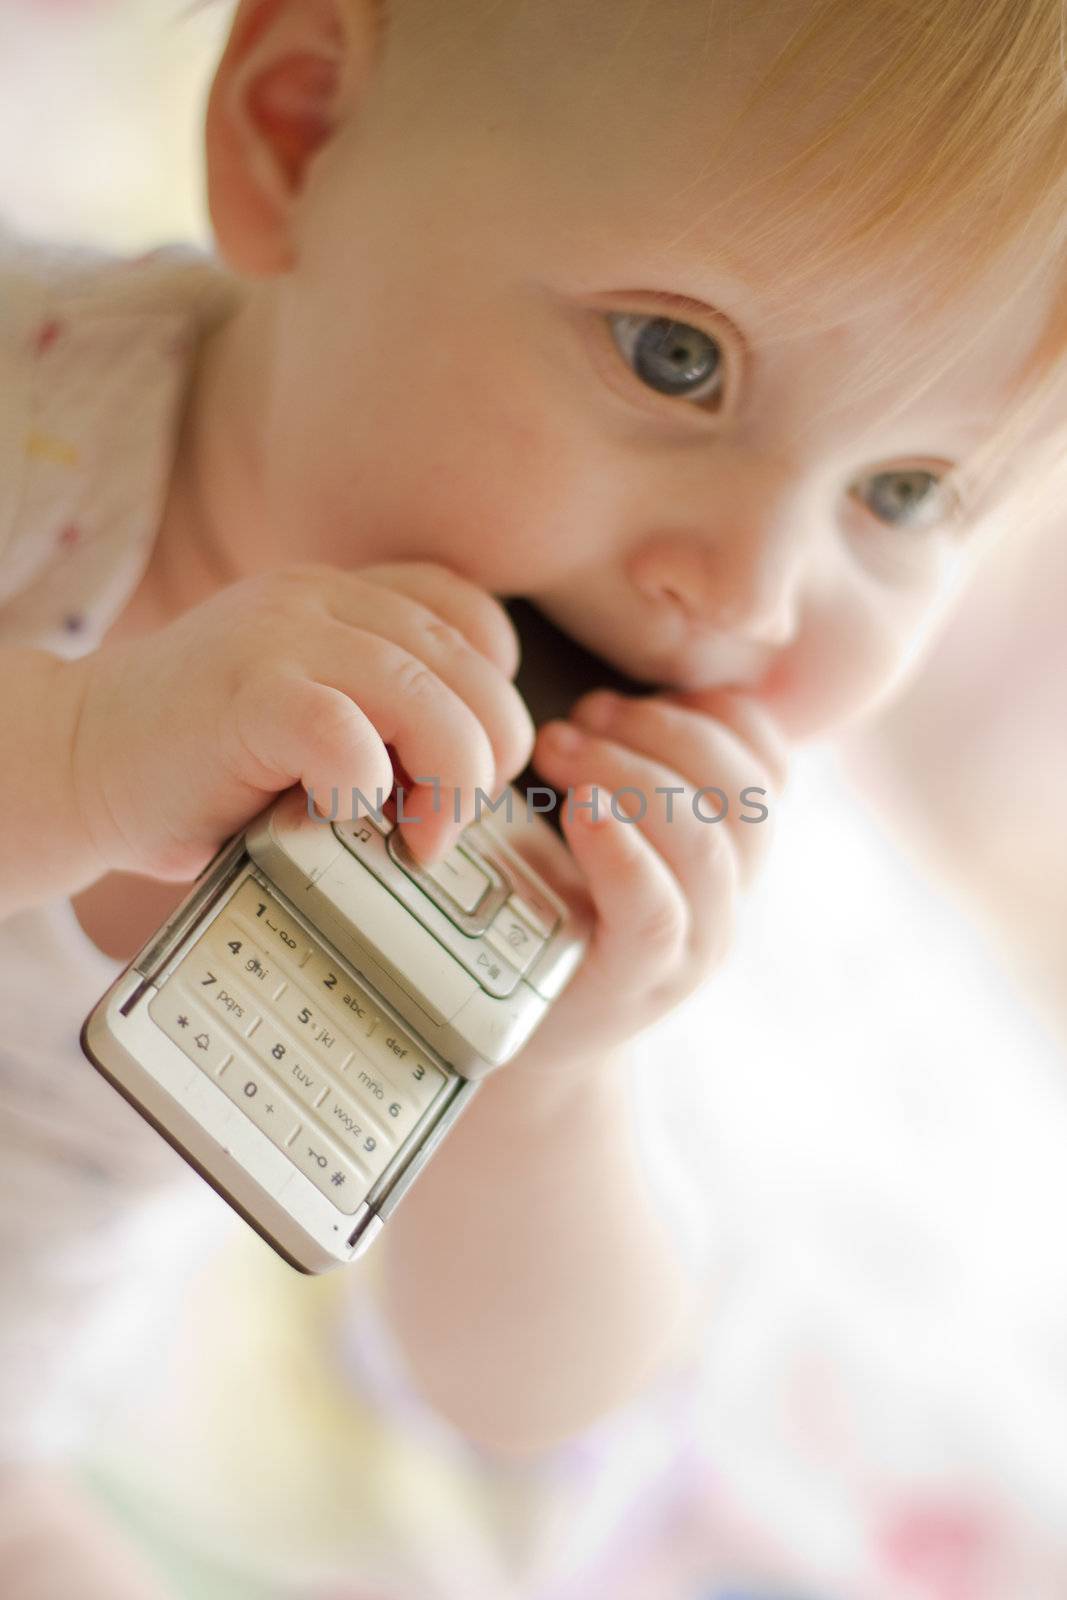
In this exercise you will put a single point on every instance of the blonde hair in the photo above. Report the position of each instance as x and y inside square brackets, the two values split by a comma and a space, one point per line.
[956, 147]
[956, 144]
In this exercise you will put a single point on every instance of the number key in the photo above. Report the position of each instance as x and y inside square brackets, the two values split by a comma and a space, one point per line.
[367, 1142]
[260, 1100]
[194, 1032]
[338, 1178]
[314, 1027]
[393, 1055]
[228, 943]
[390, 1106]
[332, 987]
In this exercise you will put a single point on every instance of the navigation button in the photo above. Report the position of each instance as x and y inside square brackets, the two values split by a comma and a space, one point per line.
[462, 879]
[458, 876]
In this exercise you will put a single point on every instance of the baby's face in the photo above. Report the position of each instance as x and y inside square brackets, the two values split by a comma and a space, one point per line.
[532, 334]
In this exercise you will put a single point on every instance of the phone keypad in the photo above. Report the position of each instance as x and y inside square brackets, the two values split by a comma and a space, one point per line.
[361, 1016]
[293, 1041]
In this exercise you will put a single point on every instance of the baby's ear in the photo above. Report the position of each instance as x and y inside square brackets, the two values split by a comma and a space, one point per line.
[290, 71]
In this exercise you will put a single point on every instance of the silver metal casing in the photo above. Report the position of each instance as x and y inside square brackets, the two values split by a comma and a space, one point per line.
[452, 993]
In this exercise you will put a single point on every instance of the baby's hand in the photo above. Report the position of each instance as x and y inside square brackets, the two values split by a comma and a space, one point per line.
[664, 887]
[304, 675]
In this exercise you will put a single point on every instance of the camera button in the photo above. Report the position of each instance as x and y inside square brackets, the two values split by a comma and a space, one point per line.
[513, 938]
[538, 913]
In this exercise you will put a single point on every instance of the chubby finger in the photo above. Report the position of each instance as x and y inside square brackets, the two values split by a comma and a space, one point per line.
[750, 720]
[459, 601]
[725, 780]
[642, 919]
[442, 647]
[438, 738]
[699, 856]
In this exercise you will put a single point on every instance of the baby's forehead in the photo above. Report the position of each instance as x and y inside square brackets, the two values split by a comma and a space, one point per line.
[675, 182]
[633, 85]
[656, 148]
[650, 122]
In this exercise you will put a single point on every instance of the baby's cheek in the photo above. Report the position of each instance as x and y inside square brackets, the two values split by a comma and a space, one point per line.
[504, 503]
[844, 662]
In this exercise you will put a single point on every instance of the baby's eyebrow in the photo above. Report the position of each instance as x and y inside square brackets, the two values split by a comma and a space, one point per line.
[700, 279]
[675, 301]
[969, 426]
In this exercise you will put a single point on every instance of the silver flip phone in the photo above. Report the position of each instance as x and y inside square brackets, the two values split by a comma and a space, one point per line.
[315, 1015]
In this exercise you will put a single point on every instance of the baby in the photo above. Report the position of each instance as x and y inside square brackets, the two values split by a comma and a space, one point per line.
[706, 328]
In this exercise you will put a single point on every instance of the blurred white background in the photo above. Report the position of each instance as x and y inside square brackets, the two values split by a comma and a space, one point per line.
[99, 117]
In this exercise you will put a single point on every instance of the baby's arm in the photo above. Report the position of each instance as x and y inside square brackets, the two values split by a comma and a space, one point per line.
[531, 1275]
[45, 850]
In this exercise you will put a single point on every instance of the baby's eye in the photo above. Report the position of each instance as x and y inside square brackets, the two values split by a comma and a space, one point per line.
[671, 357]
[912, 497]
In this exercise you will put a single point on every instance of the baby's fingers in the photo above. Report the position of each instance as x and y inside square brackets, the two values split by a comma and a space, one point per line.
[727, 763]
[642, 920]
[700, 856]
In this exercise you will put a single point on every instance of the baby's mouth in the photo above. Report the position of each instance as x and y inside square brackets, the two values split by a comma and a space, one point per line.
[556, 668]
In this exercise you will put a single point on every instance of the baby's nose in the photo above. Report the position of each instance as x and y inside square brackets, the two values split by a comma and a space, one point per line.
[742, 585]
